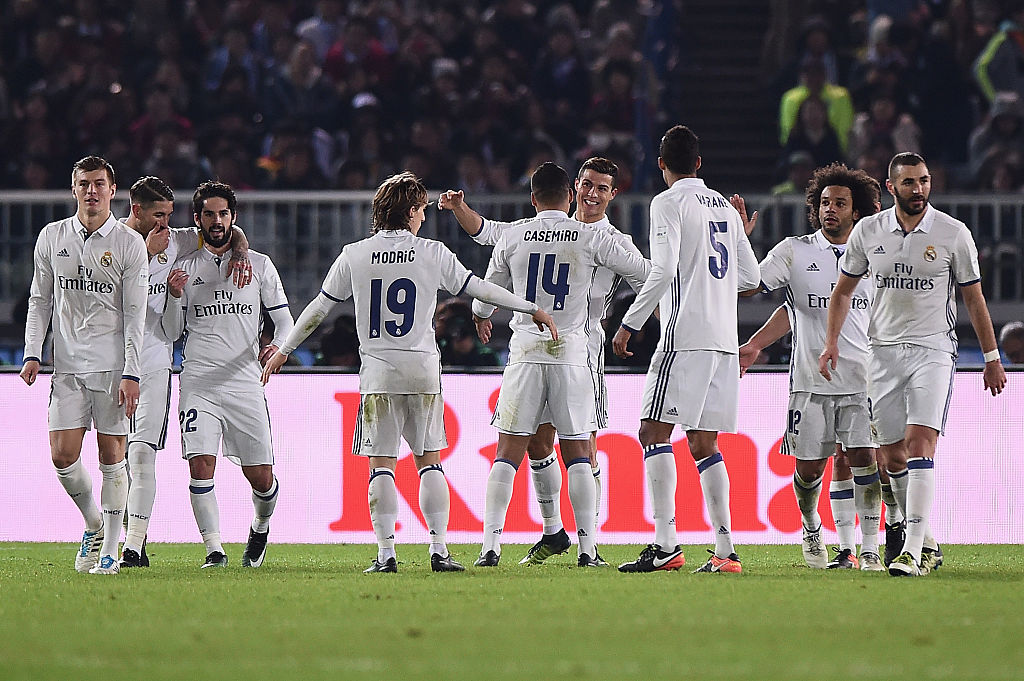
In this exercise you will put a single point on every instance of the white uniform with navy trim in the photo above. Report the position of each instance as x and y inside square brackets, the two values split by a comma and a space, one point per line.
[602, 291]
[913, 314]
[821, 412]
[92, 287]
[701, 258]
[149, 424]
[222, 398]
[552, 260]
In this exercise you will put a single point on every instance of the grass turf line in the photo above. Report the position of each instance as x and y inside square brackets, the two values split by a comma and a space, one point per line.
[309, 612]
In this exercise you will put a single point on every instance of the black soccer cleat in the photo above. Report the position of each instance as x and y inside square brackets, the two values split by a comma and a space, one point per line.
[489, 559]
[549, 545]
[143, 558]
[216, 559]
[255, 549]
[390, 565]
[844, 560]
[653, 558]
[585, 560]
[598, 560]
[895, 536]
[445, 564]
[131, 559]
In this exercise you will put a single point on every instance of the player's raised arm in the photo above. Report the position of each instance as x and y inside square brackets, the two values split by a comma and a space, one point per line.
[838, 309]
[455, 201]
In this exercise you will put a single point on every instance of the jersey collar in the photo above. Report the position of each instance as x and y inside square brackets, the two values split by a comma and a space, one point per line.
[553, 213]
[104, 229]
[825, 244]
[924, 226]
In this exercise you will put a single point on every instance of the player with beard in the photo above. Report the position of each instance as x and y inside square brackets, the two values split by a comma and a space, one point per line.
[826, 418]
[914, 255]
[221, 398]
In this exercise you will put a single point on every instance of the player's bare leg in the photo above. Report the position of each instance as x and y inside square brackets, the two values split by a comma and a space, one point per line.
[66, 455]
[113, 499]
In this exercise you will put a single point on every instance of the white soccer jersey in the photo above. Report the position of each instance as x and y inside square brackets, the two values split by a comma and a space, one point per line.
[602, 288]
[222, 321]
[393, 278]
[93, 288]
[808, 267]
[157, 349]
[701, 259]
[913, 275]
[551, 260]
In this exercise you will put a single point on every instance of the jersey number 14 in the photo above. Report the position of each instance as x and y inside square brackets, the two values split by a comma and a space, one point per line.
[557, 286]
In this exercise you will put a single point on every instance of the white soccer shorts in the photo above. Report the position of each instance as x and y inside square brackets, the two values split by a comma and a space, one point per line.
[564, 395]
[909, 385]
[80, 400]
[816, 423]
[384, 420]
[697, 389]
[240, 421]
[149, 424]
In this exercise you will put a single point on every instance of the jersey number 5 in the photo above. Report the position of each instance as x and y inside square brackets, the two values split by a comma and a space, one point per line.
[558, 287]
[401, 300]
[720, 265]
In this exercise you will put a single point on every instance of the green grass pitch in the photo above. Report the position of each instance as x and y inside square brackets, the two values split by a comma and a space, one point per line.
[310, 613]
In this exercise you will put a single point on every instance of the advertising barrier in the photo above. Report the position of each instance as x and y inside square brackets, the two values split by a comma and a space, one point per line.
[323, 486]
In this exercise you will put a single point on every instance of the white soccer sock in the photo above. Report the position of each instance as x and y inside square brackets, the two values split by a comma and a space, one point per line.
[920, 495]
[899, 481]
[496, 501]
[383, 498]
[435, 504]
[596, 470]
[204, 508]
[77, 482]
[892, 510]
[581, 494]
[660, 466]
[844, 512]
[263, 504]
[807, 494]
[867, 497]
[714, 482]
[113, 497]
[547, 485]
[141, 493]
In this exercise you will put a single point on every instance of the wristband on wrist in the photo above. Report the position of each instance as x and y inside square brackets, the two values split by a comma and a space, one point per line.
[991, 356]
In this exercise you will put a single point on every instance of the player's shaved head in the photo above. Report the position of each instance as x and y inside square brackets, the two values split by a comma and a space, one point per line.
[550, 184]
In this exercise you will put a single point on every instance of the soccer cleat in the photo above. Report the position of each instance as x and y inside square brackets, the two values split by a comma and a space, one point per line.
[904, 566]
[716, 564]
[871, 562]
[489, 559]
[255, 549]
[653, 558]
[586, 561]
[598, 560]
[445, 564]
[895, 535]
[88, 554]
[143, 558]
[107, 566]
[844, 560]
[814, 549]
[131, 559]
[549, 545]
[216, 559]
[931, 559]
[390, 565]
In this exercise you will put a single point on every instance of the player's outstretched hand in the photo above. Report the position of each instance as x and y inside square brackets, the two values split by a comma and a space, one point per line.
[451, 200]
[748, 357]
[240, 269]
[128, 396]
[542, 319]
[741, 207]
[827, 360]
[29, 371]
[483, 329]
[157, 240]
[272, 364]
[176, 281]
[994, 377]
[620, 342]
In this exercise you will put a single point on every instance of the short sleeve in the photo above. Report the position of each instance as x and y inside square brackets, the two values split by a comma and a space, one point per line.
[338, 284]
[965, 258]
[854, 262]
[454, 274]
[777, 266]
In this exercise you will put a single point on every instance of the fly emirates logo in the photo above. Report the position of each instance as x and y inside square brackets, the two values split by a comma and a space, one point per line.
[222, 305]
[903, 279]
[84, 282]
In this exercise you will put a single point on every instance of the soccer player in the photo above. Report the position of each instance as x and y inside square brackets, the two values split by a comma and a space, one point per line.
[221, 397]
[915, 254]
[701, 260]
[393, 277]
[595, 188]
[152, 203]
[90, 282]
[554, 259]
[826, 417]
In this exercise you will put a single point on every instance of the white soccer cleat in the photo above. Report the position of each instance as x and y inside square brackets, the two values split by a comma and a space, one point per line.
[88, 554]
[108, 565]
[871, 562]
[815, 554]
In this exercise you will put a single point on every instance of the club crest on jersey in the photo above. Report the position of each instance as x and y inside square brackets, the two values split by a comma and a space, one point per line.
[161, 258]
[930, 254]
[107, 259]
[813, 267]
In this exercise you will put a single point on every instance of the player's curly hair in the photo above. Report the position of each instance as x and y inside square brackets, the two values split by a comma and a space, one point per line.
[209, 190]
[865, 190]
[395, 197]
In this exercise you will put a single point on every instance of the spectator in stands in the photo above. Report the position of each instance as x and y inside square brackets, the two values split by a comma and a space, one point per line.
[340, 346]
[298, 172]
[560, 79]
[813, 134]
[1002, 131]
[323, 28]
[456, 336]
[799, 168]
[1002, 171]
[815, 43]
[233, 51]
[159, 111]
[1000, 66]
[1011, 338]
[299, 90]
[837, 101]
[883, 125]
[359, 48]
